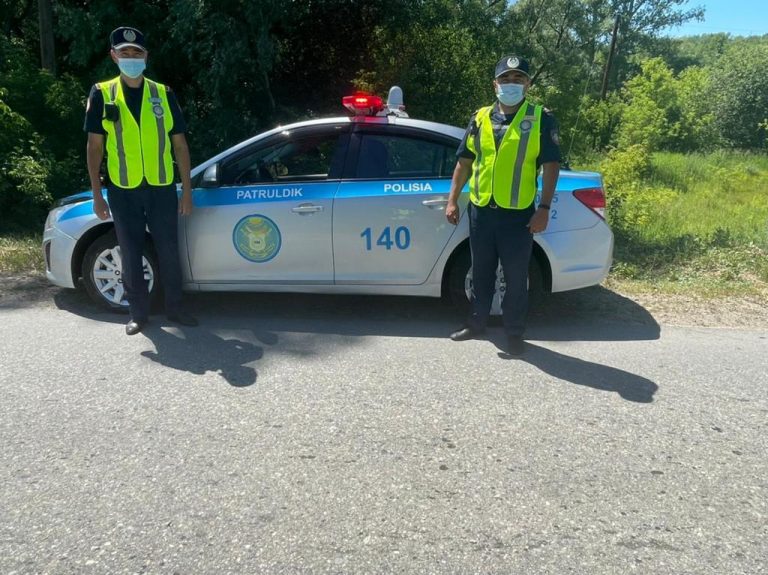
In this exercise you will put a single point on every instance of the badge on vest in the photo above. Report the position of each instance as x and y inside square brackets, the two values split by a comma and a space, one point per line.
[157, 108]
[526, 125]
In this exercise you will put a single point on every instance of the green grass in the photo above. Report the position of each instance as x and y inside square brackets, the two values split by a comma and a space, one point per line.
[694, 224]
[21, 255]
[721, 198]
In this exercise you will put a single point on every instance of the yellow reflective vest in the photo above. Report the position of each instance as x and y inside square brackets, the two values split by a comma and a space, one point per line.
[509, 173]
[136, 152]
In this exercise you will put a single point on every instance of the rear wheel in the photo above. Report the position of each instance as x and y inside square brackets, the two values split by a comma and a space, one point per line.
[460, 283]
[102, 272]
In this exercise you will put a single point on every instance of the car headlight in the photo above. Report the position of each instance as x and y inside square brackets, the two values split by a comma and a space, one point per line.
[53, 217]
[62, 205]
[69, 200]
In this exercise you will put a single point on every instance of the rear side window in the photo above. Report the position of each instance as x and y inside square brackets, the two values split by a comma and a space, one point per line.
[404, 157]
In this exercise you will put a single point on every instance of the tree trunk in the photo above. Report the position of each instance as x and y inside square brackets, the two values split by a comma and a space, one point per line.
[609, 62]
[47, 51]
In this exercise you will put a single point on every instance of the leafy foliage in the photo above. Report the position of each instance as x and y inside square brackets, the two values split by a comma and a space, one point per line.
[240, 67]
[740, 87]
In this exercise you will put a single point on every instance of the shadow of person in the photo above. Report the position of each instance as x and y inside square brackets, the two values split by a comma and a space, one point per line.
[590, 314]
[199, 351]
[581, 372]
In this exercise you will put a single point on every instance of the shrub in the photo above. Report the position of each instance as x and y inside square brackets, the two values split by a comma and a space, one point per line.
[24, 171]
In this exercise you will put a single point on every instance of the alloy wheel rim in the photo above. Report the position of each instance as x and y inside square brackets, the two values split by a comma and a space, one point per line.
[501, 287]
[107, 275]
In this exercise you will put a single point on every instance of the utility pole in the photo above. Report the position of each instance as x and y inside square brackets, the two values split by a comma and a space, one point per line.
[609, 62]
[47, 50]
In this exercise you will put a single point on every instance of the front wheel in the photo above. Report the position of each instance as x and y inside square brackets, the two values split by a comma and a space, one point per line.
[460, 283]
[102, 272]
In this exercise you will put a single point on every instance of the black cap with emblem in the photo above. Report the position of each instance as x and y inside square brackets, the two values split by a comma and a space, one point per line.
[127, 36]
[508, 63]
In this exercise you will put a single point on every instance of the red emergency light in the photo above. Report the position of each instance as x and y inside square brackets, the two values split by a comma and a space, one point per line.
[362, 104]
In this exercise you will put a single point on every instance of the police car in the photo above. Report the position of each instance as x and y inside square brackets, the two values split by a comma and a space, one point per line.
[351, 205]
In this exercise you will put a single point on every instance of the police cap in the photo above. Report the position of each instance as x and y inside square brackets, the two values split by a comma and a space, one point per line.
[127, 36]
[508, 63]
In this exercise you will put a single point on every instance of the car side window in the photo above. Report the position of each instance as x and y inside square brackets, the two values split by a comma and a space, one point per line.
[288, 159]
[399, 156]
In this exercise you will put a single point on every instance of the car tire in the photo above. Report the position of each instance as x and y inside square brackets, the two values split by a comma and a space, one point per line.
[458, 282]
[102, 270]
[457, 275]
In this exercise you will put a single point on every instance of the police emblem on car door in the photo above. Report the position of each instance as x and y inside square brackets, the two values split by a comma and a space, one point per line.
[268, 215]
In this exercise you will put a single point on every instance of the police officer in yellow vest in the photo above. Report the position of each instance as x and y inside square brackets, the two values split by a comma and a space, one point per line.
[500, 156]
[140, 121]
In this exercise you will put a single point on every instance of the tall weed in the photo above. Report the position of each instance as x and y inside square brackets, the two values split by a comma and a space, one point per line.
[688, 217]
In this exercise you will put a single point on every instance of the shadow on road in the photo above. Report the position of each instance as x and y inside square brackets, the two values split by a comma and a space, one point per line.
[199, 351]
[235, 327]
[628, 385]
[591, 314]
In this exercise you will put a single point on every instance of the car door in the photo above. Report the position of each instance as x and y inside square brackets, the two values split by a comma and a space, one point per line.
[389, 213]
[268, 218]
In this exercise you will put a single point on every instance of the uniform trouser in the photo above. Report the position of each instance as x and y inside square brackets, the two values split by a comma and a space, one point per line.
[133, 211]
[500, 234]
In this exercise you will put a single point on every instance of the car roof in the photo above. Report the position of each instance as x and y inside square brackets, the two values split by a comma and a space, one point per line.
[434, 127]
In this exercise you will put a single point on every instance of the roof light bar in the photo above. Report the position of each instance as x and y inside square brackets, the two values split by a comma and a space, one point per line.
[362, 104]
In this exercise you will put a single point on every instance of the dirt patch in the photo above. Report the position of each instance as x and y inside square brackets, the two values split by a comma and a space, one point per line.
[598, 303]
[25, 290]
[735, 312]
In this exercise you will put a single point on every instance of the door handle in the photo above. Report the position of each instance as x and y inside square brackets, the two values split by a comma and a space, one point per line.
[307, 209]
[435, 203]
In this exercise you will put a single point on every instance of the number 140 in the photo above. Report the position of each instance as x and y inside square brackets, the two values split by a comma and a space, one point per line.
[402, 238]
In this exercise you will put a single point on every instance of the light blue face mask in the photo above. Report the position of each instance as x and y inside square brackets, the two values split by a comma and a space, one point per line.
[132, 67]
[510, 94]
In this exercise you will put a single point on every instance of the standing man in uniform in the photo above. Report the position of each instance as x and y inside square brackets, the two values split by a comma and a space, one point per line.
[139, 121]
[504, 147]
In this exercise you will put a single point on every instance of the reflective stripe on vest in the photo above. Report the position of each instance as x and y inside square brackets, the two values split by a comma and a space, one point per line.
[122, 162]
[160, 122]
[507, 174]
[479, 160]
[138, 152]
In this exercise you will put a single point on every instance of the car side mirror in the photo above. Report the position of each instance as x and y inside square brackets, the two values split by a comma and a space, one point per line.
[210, 177]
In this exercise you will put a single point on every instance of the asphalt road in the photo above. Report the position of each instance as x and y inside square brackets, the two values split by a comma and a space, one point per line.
[313, 435]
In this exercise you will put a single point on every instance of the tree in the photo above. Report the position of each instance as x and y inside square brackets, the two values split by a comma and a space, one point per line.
[648, 115]
[740, 93]
[47, 50]
[441, 52]
[640, 22]
[24, 168]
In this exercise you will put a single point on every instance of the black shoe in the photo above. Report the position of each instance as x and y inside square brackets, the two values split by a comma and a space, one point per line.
[182, 319]
[134, 326]
[515, 345]
[465, 333]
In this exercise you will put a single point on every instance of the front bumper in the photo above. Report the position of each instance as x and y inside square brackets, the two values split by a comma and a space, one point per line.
[58, 249]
